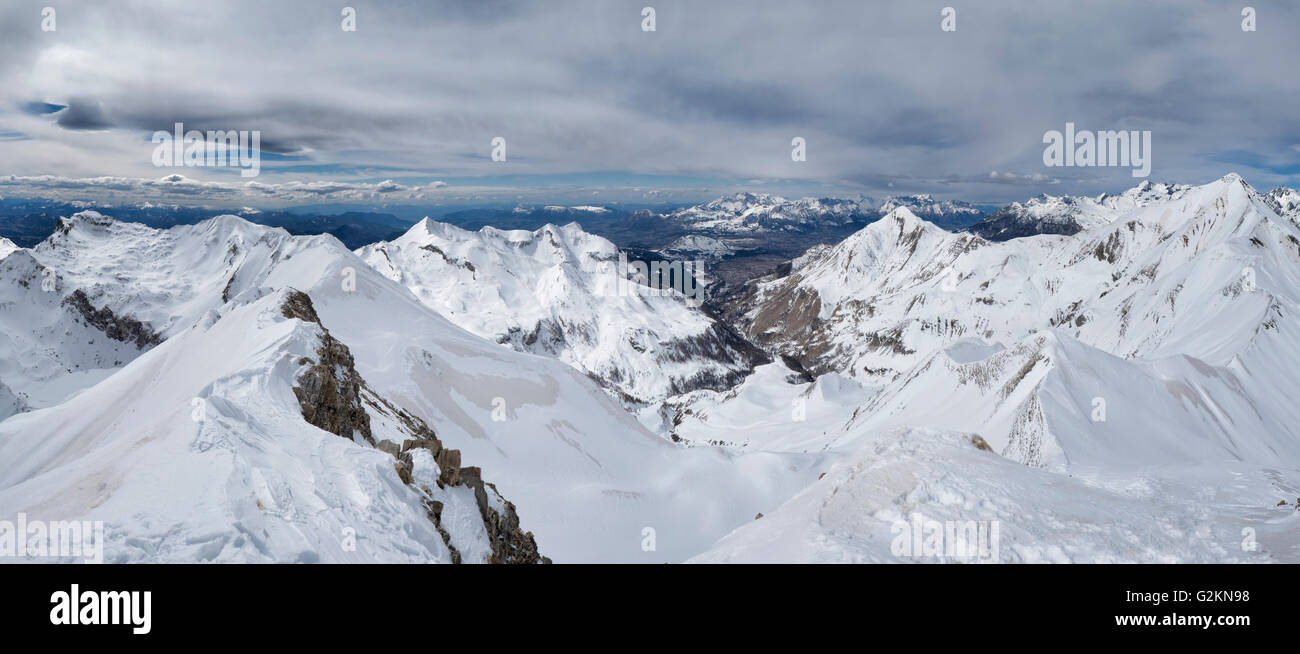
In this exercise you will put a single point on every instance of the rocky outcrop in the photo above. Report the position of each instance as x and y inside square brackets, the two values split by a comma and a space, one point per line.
[334, 397]
[509, 542]
[118, 328]
[329, 390]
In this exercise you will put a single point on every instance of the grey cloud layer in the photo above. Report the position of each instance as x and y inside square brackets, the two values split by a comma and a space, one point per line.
[177, 185]
[880, 93]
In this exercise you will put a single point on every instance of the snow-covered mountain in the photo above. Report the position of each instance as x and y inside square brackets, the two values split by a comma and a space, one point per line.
[295, 401]
[581, 209]
[758, 213]
[751, 213]
[1285, 201]
[1146, 284]
[55, 343]
[556, 291]
[1121, 394]
[703, 247]
[1048, 214]
[949, 214]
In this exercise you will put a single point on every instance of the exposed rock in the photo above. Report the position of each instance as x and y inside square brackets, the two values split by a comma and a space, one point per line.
[225, 292]
[298, 305]
[470, 476]
[334, 397]
[449, 464]
[403, 473]
[431, 444]
[118, 328]
[435, 516]
[979, 442]
[329, 390]
[510, 544]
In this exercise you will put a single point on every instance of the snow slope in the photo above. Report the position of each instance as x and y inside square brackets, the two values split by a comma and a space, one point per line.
[905, 479]
[773, 410]
[49, 349]
[248, 481]
[1051, 401]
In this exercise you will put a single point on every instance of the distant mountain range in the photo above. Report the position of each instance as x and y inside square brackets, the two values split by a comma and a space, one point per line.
[29, 221]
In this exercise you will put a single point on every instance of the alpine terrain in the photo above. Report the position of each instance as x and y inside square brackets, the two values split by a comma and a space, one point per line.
[1075, 379]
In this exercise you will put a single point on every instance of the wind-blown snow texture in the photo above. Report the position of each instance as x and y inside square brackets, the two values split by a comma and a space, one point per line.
[1122, 391]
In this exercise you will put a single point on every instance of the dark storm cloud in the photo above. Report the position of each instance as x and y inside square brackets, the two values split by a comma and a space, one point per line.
[83, 113]
[884, 98]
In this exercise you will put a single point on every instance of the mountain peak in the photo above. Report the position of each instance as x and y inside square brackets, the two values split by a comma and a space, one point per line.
[86, 222]
[745, 198]
[903, 215]
[7, 247]
[886, 231]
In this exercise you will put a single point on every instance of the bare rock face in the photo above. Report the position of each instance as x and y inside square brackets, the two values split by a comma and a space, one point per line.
[334, 397]
[118, 328]
[329, 391]
[510, 543]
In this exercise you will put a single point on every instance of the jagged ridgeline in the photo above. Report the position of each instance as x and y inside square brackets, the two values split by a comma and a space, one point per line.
[335, 398]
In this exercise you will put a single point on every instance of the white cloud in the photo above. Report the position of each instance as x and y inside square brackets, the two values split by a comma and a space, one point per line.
[1013, 178]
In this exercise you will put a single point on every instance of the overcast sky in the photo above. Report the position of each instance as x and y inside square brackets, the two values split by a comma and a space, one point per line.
[595, 110]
